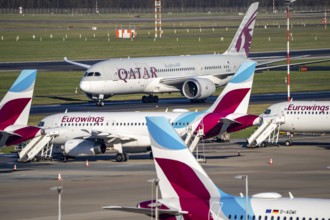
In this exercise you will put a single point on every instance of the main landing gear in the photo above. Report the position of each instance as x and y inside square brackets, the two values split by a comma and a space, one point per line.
[289, 141]
[100, 103]
[150, 99]
[121, 157]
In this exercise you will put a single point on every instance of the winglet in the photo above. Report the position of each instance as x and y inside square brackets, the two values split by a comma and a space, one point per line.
[15, 105]
[76, 63]
[235, 96]
[177, 169]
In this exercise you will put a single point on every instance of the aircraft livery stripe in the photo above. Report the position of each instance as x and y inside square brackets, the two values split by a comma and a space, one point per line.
[26, 133]
[165, 136]
[24, 81]
[11, 111]
[231, 101]
[193, 195]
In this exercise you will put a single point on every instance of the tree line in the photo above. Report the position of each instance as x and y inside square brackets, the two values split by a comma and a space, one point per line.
[140, 4]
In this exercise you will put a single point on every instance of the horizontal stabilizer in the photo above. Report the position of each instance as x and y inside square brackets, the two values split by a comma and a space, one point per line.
[144, 211]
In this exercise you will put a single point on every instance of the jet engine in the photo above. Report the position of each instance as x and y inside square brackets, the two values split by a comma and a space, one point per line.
[198, 88]
[81, 147]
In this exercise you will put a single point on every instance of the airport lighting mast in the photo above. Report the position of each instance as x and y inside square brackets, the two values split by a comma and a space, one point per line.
[158, 19]
[288, 3]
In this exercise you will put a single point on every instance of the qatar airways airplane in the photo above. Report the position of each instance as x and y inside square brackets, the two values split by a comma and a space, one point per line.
[189, 193]
[301, 117]
[196, 76]
[89, 133]
[15, 109]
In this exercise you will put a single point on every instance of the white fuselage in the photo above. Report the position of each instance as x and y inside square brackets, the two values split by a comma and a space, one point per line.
[127, 128]
[302, 116]
[156, 74]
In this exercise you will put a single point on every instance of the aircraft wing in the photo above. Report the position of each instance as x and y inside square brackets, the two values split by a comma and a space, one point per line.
[2, 133]
[107, 136]
[77, 64]
[174, 80]
[144, 210]
[228, 121]
[284, 65]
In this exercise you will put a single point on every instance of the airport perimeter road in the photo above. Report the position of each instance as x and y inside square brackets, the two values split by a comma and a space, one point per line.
[304, 170]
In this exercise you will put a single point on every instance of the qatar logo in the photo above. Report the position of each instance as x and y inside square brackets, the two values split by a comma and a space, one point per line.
[245, 38]
[136, 73]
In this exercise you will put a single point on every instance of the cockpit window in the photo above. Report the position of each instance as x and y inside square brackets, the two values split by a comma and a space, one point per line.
[41, 124]
[268, 111]
[89, 74]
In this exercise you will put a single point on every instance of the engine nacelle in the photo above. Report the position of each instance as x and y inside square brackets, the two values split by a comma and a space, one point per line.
[198, 88]
[81, 147]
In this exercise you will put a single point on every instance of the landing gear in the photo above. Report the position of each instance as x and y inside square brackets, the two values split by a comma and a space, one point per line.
[100, 103]
[150, 99]
[121, 157]
[288, 142]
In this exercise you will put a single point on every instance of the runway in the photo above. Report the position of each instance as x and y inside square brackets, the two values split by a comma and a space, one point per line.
[60, 65]
[303, 170]
[171, 103]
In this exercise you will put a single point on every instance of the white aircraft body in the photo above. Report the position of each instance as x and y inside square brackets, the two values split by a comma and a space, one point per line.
[187, 192]
[196, 76]
[301, 116]
[83, 134]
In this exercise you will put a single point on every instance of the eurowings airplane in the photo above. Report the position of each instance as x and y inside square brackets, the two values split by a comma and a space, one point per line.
[83, 134]
[301, 116]
[15, 109]
[196, 76]
[189, 193]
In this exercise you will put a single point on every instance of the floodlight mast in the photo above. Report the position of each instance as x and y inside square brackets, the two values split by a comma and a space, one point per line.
[288, 3]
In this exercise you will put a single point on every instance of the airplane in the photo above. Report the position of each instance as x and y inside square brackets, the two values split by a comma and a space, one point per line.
[195, 76]
[300, 117]
[87, 134]
[189, 193]
[15, 109]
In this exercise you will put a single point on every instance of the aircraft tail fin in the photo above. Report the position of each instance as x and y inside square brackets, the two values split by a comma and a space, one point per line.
[181, 177]
[242, 40]
[15, 105]
[235, 97]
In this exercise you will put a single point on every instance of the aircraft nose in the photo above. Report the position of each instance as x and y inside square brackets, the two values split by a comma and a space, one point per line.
[85, 86]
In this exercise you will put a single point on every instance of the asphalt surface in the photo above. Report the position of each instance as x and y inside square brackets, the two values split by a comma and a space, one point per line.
[303, 170]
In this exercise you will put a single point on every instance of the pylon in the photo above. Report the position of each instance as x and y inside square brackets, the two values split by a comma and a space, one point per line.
[59, 178]
[270, 161]
[87, 163]
[14, 168]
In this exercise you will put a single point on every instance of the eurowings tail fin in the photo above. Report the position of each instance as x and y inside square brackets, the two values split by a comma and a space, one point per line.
[181, 177]
[15, 105]
[235, 96]
[242, 40]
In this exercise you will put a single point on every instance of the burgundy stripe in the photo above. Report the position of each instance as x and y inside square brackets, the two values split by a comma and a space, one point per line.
[231, 101]
[192, 193]
[26, 133]
[11, 111]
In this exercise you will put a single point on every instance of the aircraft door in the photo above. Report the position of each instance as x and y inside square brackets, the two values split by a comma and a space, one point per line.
[114, 73]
